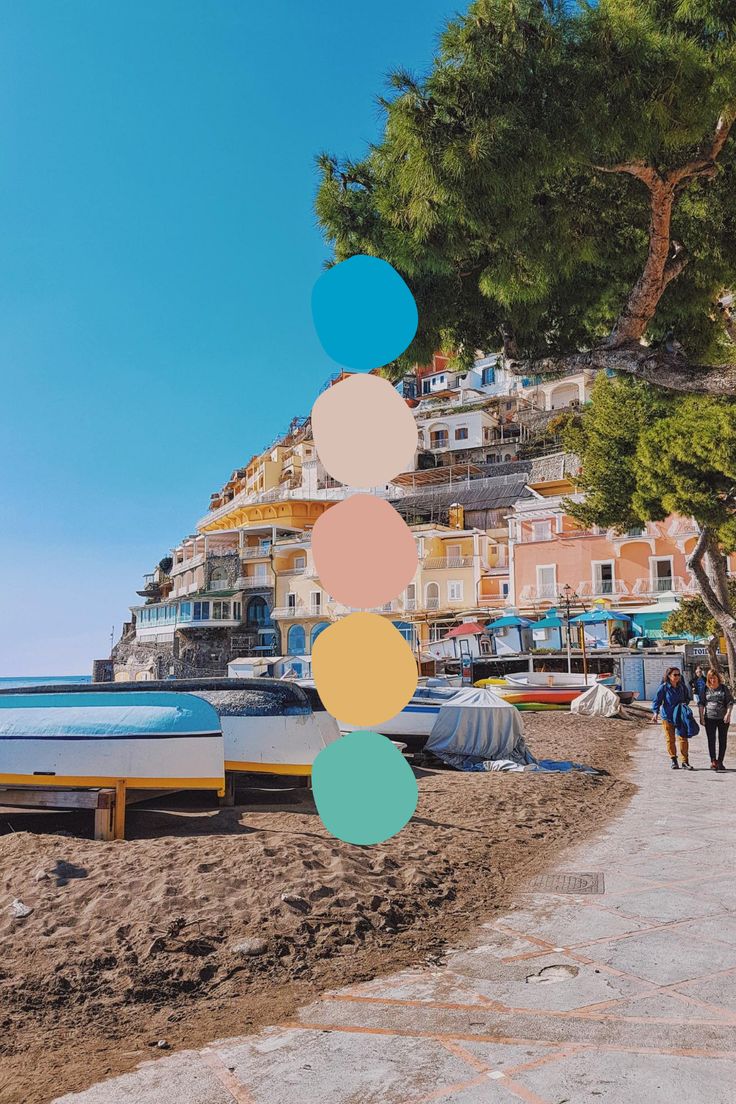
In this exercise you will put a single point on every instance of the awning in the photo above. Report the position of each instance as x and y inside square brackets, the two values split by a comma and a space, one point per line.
[548, 623]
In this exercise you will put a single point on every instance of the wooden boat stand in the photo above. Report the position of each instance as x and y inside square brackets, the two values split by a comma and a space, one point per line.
[108, 804]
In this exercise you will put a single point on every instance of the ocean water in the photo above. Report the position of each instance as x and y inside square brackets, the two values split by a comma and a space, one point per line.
[10, 683]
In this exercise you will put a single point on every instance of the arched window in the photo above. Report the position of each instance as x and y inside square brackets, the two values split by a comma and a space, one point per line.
[432, 596]
[296, 641]
[257, 612]
[318, 628]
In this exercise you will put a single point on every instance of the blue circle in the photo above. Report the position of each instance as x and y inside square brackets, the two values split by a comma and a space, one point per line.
[364, 313]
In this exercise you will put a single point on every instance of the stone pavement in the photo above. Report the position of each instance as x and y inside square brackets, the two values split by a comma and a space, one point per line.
[621, 996]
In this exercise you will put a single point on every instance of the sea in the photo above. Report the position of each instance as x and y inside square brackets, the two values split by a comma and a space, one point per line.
[10, 683]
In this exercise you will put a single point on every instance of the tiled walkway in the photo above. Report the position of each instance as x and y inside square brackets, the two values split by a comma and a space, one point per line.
[625, 996]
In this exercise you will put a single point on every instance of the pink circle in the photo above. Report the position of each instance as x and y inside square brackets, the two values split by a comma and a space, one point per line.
[364, 552]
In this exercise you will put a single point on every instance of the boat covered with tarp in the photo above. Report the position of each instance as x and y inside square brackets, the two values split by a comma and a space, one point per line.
[157, 741]
[477, 730]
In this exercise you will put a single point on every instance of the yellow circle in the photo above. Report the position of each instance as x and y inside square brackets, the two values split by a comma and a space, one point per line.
[364, 669]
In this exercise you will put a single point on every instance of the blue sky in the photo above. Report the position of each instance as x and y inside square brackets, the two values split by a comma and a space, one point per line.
[158, 252]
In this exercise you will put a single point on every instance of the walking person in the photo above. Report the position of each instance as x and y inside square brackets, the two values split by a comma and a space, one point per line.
[698, 686]
[715, 713]
[673, 692]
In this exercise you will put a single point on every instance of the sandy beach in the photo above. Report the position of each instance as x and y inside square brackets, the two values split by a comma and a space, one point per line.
[207, 922]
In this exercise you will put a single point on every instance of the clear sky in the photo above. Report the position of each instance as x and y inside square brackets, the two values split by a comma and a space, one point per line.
[158, 250]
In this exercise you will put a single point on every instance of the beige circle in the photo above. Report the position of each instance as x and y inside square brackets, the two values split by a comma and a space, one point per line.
[364, 432]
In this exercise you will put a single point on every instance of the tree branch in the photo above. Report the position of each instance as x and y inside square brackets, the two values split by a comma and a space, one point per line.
[659, 268]
[653, 365]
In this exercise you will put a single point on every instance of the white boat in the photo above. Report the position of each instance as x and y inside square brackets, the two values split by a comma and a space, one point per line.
[272, 727]
[156, 741]
[558, 680]
[268, 726]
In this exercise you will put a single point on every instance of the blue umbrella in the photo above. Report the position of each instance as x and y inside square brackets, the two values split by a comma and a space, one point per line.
[508, 622]
[596, 617]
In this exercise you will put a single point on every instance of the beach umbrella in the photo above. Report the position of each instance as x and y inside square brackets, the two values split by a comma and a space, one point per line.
[597, 617]
[468, 628]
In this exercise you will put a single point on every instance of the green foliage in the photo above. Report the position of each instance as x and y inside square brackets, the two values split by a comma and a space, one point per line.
[484, 190]
[692, 617]
[646, 454]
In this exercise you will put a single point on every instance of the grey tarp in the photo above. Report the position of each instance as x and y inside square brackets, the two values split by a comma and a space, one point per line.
[477, 728]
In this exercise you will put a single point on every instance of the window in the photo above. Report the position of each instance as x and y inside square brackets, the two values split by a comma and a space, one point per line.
[320, 627]
[185, 611]
[432, 596]
[461, 433]
[256, 612]
[489, 375]
[439, 439]
[455, 591]
[296, 641]
[291, 601]
[547, 581]
[603, 577]
[505, 590]
[410, 601]
[542, 530]
[316, 601]
[201, 611]
[662, 575]
[300, 562]
[220, 611]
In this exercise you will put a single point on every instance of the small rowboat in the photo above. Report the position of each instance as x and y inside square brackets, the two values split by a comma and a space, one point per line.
[151, 741]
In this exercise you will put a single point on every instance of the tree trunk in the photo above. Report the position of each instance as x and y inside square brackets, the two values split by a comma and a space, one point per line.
[707, 565]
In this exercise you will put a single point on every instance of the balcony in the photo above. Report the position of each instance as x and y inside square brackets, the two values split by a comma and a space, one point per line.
[255, 582]
[186, 565]
[262, 553]
[291, 570]
[439, 563]
[601, 588]
[220, 584]
[546, 592]
[667, 585]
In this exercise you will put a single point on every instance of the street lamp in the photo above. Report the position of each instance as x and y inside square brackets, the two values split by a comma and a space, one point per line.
[568, 598]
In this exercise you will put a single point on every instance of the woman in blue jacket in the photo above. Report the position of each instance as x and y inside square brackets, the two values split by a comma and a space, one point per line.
[674, 691]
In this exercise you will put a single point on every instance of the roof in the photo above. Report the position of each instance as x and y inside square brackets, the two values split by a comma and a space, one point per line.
[473, 494]
[509, 622]
[549, 622]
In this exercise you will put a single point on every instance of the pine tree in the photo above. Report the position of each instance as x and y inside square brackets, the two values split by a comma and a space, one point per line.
[562, 183]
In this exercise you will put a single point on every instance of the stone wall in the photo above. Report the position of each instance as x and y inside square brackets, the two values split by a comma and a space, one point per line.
[192, 653]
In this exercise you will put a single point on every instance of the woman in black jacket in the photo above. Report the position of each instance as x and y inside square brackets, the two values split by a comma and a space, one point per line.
[715, 713]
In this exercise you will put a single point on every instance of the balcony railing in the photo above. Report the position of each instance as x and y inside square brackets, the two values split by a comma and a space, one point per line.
[291, 570]
[666, 585]
[546, 592]
[437, 563]
[220, 584]
[601, 588]
[186, 565]
[254, 582]
[262, 553]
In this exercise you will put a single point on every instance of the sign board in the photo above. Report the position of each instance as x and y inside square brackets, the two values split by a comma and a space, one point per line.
[694, 652]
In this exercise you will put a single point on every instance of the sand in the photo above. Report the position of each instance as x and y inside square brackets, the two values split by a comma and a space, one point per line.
[141, 940]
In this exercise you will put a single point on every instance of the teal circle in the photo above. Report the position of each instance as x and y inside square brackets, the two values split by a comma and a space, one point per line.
[364, 313]
[364, 789]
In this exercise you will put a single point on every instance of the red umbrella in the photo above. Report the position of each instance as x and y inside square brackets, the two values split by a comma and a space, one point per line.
[468, 628]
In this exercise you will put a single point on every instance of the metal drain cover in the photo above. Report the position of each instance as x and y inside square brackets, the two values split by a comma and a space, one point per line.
[567, 883]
